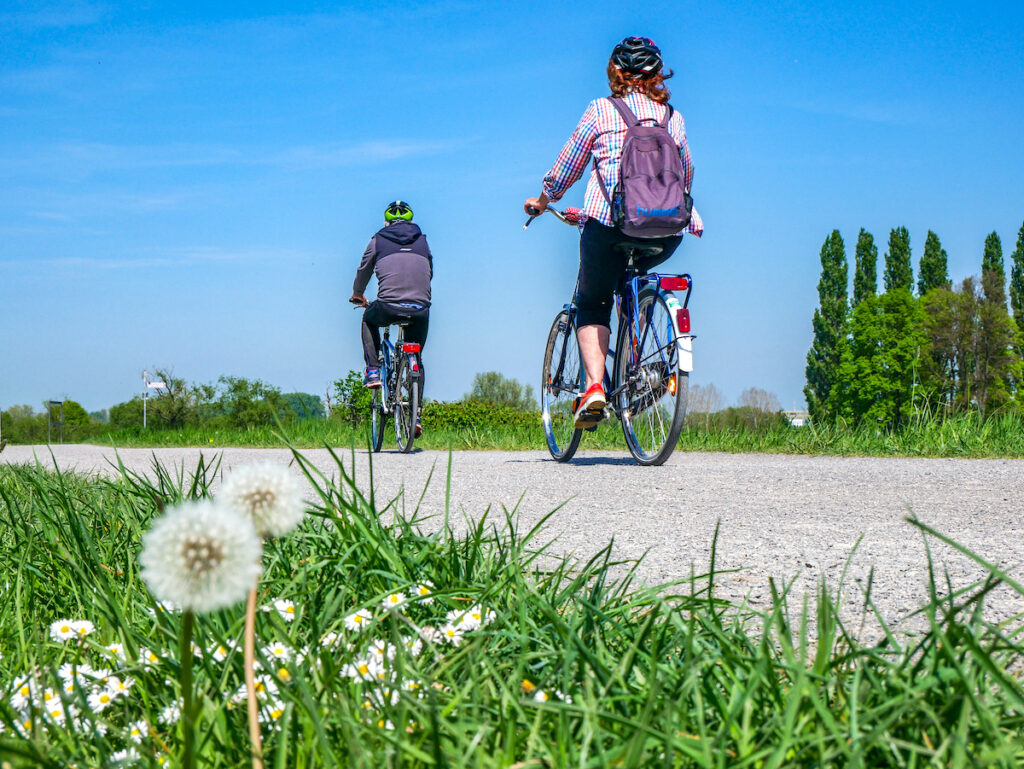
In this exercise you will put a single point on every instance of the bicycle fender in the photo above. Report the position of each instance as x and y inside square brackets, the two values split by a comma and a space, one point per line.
[684, 342]
[685, 346]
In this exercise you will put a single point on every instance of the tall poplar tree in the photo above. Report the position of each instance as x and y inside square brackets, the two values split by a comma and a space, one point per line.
[933, 272]
[1017, 281]
[992, 261]
[898, 272]
[829, 327]
[865, 275]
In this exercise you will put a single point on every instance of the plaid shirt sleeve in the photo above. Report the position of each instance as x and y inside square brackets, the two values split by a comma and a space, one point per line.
[696, 225]
[572, 160]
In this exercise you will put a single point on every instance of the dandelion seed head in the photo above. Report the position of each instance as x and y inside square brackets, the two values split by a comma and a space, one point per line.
[269, 495]
[201, 556]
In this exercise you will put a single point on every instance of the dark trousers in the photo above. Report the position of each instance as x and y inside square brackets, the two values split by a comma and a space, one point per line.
[379, 314]
[602, 267]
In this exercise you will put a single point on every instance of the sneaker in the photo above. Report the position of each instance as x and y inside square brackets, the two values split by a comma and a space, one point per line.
[591, 408]
[419, 429]
[371, 378]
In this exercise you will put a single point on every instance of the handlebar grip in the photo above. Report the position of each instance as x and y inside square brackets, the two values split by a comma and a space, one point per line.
[533, 211]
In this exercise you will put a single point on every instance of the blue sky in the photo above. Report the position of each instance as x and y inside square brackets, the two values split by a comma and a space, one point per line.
[191, 187]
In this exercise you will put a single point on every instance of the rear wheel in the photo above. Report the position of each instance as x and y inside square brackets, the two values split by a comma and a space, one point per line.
[652, 401]
[561, 384]
[406, 404]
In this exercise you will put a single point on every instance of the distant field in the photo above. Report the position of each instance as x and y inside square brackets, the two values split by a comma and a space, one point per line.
[964, 436]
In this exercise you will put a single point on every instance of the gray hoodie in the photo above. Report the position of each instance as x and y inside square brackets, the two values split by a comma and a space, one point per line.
[399, 256]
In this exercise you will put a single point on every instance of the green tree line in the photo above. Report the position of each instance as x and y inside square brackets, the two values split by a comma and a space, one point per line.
[884, 358]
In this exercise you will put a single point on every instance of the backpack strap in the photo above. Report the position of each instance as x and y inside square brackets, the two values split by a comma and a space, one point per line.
[668, 116]
[623, 109]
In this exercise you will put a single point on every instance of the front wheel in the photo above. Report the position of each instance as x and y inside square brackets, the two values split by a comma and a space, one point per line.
[651, 403]
[406, 405]
[561, 384]
[378, 419]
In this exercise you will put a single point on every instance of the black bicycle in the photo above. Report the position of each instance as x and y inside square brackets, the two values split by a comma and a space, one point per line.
[652, 360]
[399, 391]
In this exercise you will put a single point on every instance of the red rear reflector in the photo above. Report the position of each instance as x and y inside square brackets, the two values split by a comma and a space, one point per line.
[411, 348]
[683, 320]
[674, 283]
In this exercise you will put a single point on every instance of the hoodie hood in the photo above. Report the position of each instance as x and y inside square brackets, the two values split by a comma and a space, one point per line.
[401, 232]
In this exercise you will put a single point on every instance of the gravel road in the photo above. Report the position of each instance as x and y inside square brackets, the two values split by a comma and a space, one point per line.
[785, 516]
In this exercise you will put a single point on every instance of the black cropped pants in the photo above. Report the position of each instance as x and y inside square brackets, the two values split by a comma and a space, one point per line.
[602, 267]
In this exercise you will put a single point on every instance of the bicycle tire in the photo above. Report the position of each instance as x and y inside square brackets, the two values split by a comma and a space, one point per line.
[406, 405]
[557, 393]
[652, 404]
[378, 419]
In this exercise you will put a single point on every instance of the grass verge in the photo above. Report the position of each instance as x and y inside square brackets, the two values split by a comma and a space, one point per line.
[563, 665]
[959, 436]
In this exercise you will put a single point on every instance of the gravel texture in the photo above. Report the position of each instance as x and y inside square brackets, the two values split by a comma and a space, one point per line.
[792, 517]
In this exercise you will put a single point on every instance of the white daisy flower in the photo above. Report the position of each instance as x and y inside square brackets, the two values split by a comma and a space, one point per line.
[171, 714]
[148, 658]
[24, 687]
[431, 634]
[264, 686]
[413, 646]
[126, 756]
[138, 731]
[116, 651]
[331, 639]
[277, 651]
[269, 495]
[452, 634]
[55, 711]
[393, 601]
[385, 724]
[100, 701]
[272, 711]
[220, 652]
[63, 630]
[285, 608]
[359, 620]
[202, 556]
[361, 670]
[119, 687]
[381, 651]
[480, 616]
[83, 627]
[423, 592]
[546, 696]
[463, 620]
[284, 674]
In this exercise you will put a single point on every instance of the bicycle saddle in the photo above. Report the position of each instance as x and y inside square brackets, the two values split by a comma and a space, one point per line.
[639, 251]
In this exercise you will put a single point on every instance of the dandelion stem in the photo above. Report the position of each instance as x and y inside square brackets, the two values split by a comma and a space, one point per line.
[186, 690]
[250, 681]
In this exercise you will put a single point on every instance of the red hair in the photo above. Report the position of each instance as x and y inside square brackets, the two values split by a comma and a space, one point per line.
[653, 87]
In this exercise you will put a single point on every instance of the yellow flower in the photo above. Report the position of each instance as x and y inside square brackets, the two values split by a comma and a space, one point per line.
[528, 686]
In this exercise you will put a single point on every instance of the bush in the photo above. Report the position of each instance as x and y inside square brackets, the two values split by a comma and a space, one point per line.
[460, 415]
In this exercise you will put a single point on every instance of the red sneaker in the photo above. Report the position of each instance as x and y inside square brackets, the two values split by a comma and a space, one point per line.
[591, 408]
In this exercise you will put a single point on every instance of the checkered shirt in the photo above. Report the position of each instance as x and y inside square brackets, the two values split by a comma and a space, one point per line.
[600, 133]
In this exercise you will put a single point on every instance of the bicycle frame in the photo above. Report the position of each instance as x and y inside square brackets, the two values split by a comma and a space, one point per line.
[626, 302]
[388, 369]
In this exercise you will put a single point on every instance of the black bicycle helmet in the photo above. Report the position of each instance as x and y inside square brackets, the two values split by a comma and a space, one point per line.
[637, 56]
[398, 210]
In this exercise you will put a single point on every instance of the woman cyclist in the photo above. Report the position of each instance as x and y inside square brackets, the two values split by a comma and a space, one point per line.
[636, 74]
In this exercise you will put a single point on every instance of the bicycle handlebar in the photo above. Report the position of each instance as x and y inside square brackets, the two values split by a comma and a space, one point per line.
[570, 216]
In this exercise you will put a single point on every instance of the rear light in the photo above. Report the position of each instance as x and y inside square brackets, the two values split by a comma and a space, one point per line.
[674, 283]
[672, 385]
[411, 347]
[683, 320]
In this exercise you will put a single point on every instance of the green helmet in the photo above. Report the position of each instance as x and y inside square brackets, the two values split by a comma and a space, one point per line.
[398, 210]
